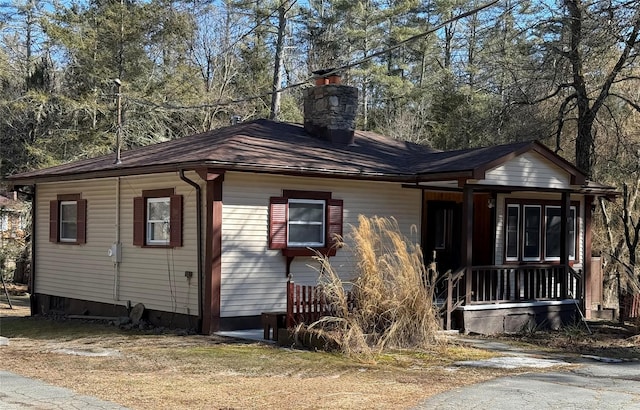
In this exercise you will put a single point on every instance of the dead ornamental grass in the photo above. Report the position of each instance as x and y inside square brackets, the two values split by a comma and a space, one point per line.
[391, 295]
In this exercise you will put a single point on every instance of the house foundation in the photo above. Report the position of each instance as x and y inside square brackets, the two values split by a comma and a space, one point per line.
[489, 319]
[42, 304]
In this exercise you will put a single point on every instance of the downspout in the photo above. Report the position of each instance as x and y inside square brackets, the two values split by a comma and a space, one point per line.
[199, 248]
[116, 261]
[32, 281]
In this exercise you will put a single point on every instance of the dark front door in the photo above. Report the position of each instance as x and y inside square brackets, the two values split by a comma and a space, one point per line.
[443, 234]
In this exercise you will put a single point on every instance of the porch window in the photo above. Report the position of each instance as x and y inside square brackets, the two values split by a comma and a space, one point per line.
[531, 246]
[553, 227]
[443, 225]
[513, 232]
[303, 221]
[532, 231]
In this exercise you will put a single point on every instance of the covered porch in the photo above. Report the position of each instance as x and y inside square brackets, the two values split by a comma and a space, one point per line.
[511, 258]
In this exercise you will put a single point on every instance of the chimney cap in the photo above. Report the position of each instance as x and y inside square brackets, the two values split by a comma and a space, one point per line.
[326, 71]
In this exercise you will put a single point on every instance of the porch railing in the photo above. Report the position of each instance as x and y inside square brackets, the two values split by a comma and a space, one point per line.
[505, 283]
[509, 283]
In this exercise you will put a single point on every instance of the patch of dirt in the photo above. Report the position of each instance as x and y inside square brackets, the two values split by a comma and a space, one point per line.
[607, 339]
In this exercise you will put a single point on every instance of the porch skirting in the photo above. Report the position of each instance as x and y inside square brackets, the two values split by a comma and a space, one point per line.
[495, 318]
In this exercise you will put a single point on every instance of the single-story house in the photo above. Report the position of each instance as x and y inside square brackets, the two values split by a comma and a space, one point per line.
[205, 230]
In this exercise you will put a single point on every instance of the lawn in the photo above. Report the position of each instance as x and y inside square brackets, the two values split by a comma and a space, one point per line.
[151, 371]
[155, 371]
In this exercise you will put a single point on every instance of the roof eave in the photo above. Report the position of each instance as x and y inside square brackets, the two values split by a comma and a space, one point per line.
[227, 166]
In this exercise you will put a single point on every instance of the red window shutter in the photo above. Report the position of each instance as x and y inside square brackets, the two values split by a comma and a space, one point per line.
[82, 221]
[334, 220]
[138, 221]
[277, 223]
[53, 221]
[175, 223]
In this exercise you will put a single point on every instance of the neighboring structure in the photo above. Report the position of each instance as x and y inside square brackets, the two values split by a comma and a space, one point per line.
[13, 217]
[204, 230]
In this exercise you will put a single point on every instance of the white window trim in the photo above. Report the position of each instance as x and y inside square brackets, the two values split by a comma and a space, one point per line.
[62, 204]
[575, 234]
[540, 232]
[148, 221]
[506, 236]
[323, 223]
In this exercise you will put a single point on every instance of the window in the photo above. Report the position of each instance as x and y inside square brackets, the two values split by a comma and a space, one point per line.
[531, 248]
[68, 219]
[513, 232]
[536, 235]
[306, 222]
[552, 237]
[443, 222]
[157, 219]
[300, 220]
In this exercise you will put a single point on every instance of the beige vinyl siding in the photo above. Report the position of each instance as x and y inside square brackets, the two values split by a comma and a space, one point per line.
[76, 271]
[253, 277]
[500, 220]
[530, 170]
[154, 277]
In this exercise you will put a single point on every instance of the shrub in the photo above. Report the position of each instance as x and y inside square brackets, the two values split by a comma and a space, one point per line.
[391, 300]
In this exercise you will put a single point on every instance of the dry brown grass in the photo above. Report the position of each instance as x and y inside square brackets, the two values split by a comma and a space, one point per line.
[170, 371]
[392, 293]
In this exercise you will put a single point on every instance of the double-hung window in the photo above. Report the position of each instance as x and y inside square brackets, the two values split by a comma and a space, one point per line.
[533, 232]
[157, 219]
[306, 222]
[68, 219]
[301, 222]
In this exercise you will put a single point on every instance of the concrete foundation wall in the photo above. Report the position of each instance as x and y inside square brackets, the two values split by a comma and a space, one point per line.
[49, 305]
[490, 320]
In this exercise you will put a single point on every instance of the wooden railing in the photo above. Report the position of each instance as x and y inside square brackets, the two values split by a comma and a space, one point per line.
[305, 304]
[455, 294]
[510, 283]
[505, 283]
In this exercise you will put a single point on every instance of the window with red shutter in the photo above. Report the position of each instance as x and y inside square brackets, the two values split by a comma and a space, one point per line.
[302, 222]
[68, 219]
[157, 219]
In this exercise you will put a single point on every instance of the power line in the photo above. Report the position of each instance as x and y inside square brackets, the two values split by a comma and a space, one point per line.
[308, 79]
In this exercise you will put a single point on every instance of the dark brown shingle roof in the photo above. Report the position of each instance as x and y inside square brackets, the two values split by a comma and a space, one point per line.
[268, 146]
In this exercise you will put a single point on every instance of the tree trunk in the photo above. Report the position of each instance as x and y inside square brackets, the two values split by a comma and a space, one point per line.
[277, 65]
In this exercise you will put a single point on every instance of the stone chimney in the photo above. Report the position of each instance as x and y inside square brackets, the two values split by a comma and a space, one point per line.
[330, 109]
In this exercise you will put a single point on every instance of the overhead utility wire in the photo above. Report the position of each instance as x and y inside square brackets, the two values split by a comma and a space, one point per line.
[333, 71]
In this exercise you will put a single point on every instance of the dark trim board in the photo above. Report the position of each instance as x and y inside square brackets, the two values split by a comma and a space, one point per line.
[495, 319]
[49, 305]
